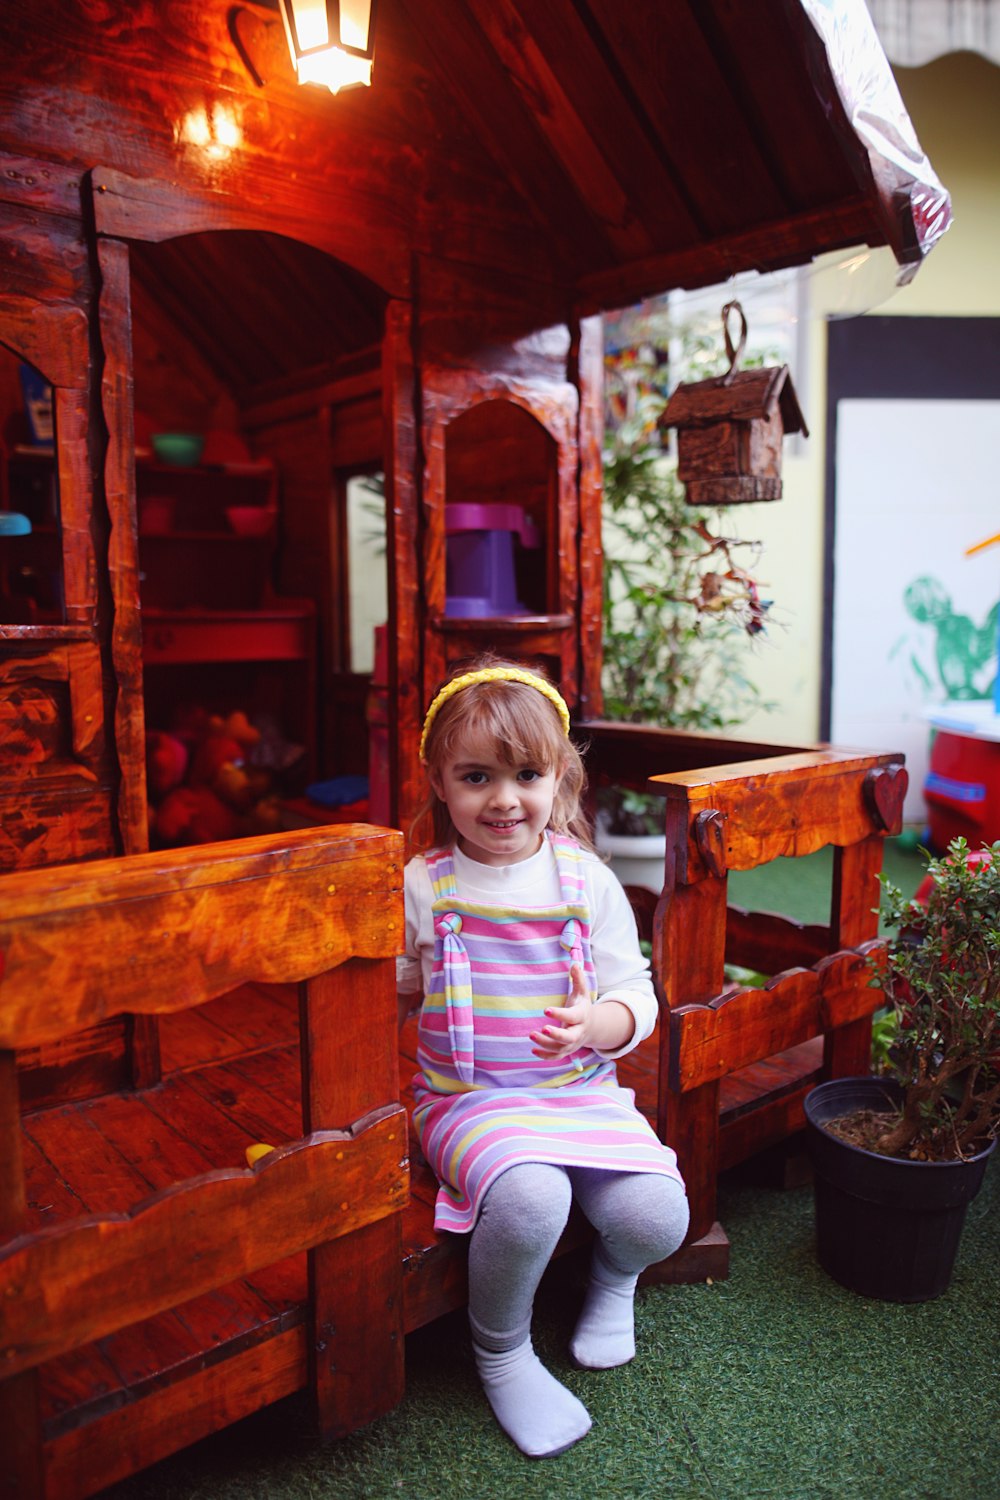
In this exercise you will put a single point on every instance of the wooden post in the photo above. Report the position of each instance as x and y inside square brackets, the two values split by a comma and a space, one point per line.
[692, 971]
[407, 607]
[21, 1475]
[590, 377]
[853, 920]
[349, 1067]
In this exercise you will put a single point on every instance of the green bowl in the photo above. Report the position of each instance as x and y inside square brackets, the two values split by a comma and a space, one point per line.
[180, 449]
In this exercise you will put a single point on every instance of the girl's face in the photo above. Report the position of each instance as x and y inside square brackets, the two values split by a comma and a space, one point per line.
[499, 812]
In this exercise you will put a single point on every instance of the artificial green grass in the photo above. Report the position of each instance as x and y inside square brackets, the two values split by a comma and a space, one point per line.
[776, 1382]
[801, 888]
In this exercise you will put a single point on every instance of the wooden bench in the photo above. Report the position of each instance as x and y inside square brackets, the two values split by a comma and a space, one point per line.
[736, 1064]
[152, 1288]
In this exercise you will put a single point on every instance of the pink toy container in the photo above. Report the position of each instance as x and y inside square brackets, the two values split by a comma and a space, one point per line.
[480, 574]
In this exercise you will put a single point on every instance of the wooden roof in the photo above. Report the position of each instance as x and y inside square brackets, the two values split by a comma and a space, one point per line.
[665, 143]
[594, 150]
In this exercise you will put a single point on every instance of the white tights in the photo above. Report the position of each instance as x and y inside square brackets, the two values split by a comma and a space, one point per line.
[639, 1218]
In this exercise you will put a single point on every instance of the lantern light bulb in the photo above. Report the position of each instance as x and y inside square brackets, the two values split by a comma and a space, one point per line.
[334, 69]
[330, 43]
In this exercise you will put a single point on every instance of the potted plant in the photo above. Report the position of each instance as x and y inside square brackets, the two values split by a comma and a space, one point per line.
[677, 604]
[898, 1156]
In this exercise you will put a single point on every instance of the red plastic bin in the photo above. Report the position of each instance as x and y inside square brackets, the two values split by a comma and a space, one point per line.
[962, 789]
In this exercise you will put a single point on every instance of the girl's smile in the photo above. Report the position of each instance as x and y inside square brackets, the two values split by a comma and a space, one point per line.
[499, 811]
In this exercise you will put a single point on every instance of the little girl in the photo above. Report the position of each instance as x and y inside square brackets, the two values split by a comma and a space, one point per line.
[524, 948]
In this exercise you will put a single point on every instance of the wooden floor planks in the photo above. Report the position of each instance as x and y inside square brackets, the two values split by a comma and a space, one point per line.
[107, 1154]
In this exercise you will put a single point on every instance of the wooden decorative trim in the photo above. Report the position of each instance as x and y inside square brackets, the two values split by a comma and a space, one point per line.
[737, 1029]
[182, 921]
[115, 321]
[135, 208]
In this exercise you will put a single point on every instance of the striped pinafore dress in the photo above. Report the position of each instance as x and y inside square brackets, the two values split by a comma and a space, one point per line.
[484, 1102]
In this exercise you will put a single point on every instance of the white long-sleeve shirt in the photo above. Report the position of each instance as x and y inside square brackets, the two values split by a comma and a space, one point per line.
[622, 971]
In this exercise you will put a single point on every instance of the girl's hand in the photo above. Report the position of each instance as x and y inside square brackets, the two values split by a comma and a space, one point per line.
[582, 1024]
[568, 1033]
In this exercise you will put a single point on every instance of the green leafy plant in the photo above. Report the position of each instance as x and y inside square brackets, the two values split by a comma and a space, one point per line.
[679, 608]
[676, 603]
[941, 979]
[885, 1028]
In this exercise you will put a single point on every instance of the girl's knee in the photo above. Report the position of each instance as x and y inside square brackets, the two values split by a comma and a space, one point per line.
[674, 1218]
[528, 1203]
[659, 1220]
[649, 1223]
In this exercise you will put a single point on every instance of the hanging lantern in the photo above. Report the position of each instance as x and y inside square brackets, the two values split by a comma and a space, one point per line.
[730, 428]
[331, 41]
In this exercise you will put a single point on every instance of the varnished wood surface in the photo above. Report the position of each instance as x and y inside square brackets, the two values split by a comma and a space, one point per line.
[738, 816]
[124, 1233]
[745, 1026]
[77, 1283]
[231, 1078]
[190, 924]
[589, 145]
[121, 1440]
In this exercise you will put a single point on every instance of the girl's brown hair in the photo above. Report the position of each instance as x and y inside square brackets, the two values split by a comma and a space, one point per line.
[524, 729]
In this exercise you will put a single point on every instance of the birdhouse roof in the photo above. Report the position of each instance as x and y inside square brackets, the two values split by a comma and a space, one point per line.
[746, 396]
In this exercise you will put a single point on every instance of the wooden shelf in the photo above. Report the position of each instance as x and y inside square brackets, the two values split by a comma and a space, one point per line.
[209, 604]
[48, 632]
[541, 635]
[187, 537]
[506, 624]
[249, 469]
[188, 636]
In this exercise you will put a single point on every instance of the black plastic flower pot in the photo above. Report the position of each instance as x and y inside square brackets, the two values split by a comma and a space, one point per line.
[885, 1228]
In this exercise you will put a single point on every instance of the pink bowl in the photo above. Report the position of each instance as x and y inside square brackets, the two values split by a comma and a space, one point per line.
[250, 520]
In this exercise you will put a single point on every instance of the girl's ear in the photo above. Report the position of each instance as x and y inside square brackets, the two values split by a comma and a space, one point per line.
[437, 785]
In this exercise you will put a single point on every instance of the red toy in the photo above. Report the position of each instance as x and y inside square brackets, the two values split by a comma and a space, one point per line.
[201, 788]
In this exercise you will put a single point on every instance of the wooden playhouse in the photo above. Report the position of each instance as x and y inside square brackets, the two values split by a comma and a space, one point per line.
[403, 280]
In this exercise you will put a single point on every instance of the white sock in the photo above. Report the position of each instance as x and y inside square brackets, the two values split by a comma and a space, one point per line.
[541, 1416]
[605, 1332]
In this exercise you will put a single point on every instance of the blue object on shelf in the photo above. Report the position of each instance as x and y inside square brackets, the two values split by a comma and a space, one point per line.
[37, 395]
[341, 791]
[12, 523]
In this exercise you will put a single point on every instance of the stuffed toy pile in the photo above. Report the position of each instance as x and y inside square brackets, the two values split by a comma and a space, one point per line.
[202, 785]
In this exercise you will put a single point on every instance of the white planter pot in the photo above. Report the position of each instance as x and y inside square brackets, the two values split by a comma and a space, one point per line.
[635, 859]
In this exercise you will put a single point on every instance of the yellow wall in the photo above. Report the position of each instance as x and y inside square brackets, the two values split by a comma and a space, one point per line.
[954, 104]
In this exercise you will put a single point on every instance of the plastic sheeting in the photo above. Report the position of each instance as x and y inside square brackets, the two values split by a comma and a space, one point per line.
[916, 207]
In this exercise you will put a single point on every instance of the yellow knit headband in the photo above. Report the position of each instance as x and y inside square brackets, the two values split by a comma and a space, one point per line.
[494, 674]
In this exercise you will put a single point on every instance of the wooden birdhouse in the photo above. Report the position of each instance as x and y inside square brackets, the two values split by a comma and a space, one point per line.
[730, 429]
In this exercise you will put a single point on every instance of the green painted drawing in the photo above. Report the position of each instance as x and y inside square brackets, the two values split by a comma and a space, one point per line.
[963, 655]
